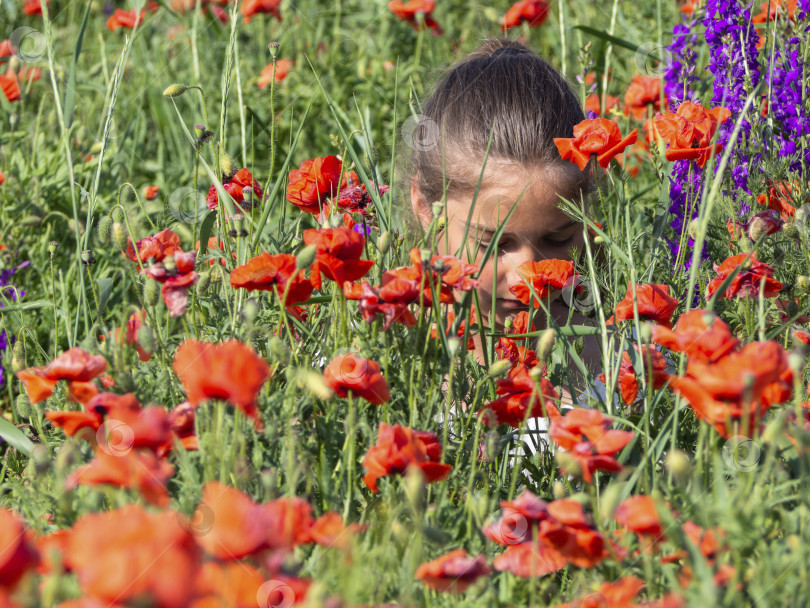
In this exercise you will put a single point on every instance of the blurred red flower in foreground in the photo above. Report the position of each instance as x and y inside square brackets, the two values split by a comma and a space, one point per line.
[598, 137]
[689, 131]
[453, 572]
[231, 371]
[399, 448]
[361, 377]
[701, 334]
[34, 7]
[610, 595]
[523, 396]
[282, 68]
[277, 272]
[753, 275]
[125, 19]
[778, 8]
[337, 257]
[533, 12]
[150, 192]
[18, 553]
[593, 103]
[10, 86]
[643, 91]
[254, 7]
[74, 365]
[408, 12]
[543, 276]
[653, 302]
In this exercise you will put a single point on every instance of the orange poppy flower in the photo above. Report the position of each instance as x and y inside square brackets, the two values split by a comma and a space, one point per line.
[134, 324]
[521, 395]
[701, 334]
[282, 68]
[164, 243]
[72, 422]
[277, 272]
[125, 19]
[533, 12]
[150, 192]
[598, 137]
[507, 349]
[399, 448]
[338, 252]
[2, 179]
[689, 131]
[231, 584]
[583, 547]
[231, 371]
[654, 363]
[254, 7]
[653, 301]
[6, 50]
[449, 270]
[611, 595]
[235, 186]
[19, 554]
[408, 12]
[640, 515]
[543, 276]
[141, 470]
[779, 197]
[361, 377]
[453, 572]
[450, 318]
[753, 276]
[73, 365]
[643, 91]
[778, 8]
[131, 553]
[709, 543]
[10, 86]
[593, 103]
[329, 530]
[181, 422]
[691, 6]
[520, 325]
[518, 520]
[313, 182]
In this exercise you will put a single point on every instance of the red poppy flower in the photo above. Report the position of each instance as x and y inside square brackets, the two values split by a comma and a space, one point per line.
[391, 301]
[453, 572]
[408, 12]
[654, 363]
[543, 276]
[10, 86]
[773, 9]
[779, 197]
[282, 68]
[399, 448]
[34, 7]
[6, 50]
[134, 324]
[519, 517]
[447, 270]
[2, 179]
[129, 555]
[450, 318]
[231, 371]
[690, 6]
[235, 186]
[533, 12]
[598, 137]
[362, 377]
[611, 595]
[653, 301]
[74, 365]
[150, 192]
[329, 530]
[159, 246]
[643, 91]
[709, 543]
[277, 272]
[701, 334]
[234, 584]
[126, 19]
[338, 252]
[640, 515]
[255, 7]
[313, 182]
[753, 276]
[689, 131]
[18, 554]
[520, 325]
[521, 395]
[593, 103]
[177, 275]
[356, 199]
[507, 349]
[181, 422]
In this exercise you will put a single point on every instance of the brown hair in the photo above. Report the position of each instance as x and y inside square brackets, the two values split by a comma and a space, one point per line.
[502, 87]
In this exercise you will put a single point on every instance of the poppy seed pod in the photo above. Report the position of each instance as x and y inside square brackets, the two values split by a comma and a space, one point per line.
[119, 237]
[438, 208]
[104, 229]
[52, 247]
[151, 293]
[273, 48]
[174, 90]
[306, 257]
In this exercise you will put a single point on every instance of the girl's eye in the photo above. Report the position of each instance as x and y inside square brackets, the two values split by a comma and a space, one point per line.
[503, 244]
[562, 243]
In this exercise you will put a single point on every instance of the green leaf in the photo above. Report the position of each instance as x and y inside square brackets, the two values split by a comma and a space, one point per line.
[70, 89]
[26, 306]
[105, 287]
[15, 437]
[205, 231]
[613, 39]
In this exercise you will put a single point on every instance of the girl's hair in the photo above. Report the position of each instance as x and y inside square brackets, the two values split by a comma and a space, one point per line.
[502, 87]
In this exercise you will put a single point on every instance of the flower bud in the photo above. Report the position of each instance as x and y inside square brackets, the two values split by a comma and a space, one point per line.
[559, 490]
[790, 230]
[13, 64]
[425, 255]
[335, 220]
[104, 229]
[119, 237]
[12, 119]
[803, 283]
[679, 465]
[117, 215]
[18, 361]
[493, 445]
[151, 293]
[500, 367]
[278, 351]
[545, 345]
[694, 227]
[453, 344]
[40, 459]
[306, 257]
[23, 406]
[203, 283]
[226, 164]
[568, 464]
[384, 242]
[174, 90]
[146, 339]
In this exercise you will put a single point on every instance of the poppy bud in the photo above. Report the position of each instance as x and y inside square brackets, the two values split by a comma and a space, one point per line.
[568, 464]
[645, 335]
[559, 490]
[800, 216]
[803, 283]
[117, 215]
[90, 342]
[579, 345]
[500, 367]
[679, 465]
[335, 220]
[441, 223]
[545, 345]
[12, 120]
[151, 293]
[694, 225]
[68, 455]
[146, 339]
[31, 220]
[795, 360]
[790, 230]
[384, 242]
[226, 164]
[249, 311]
[23, 406]
[306, 257]
[414, 485]
[18, 361]
[203, 283]
[493, 445]
[174, 90]
[312, 382]
[104, 229]
[40, 458]
[119, 237]
[279, 352]
[13, 64]
[453, 344]
[401, 534]
[52, 247]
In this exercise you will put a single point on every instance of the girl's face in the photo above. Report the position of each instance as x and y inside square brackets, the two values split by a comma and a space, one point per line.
[537, 229]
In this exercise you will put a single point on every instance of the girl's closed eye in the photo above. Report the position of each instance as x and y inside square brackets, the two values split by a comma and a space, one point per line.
[560, 242]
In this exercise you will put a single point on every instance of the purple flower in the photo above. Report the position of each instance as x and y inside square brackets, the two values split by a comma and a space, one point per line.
[359, 229]
[9, 291]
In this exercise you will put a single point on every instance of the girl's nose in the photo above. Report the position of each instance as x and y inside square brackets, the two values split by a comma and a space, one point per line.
[513, 260]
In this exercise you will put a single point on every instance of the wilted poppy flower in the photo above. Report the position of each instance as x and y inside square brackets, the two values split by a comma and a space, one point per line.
[598, 137]
[313, 182]
[522, 396]
[338, 252]
[176, 273]
[453, 572]
[361, 377]
[10, 86]
[611, 595]
[408, 12]
[689, 131]
[73, 365]
[701, 334]
[654, 364]
[653, 301]
[543, 276]
[277, 272]
[164, 243]
[281, 69]
[254, 7]
[753, 275]
[235, 186]
[150, 192]
[18, 554]
[593, 103]
[399, 448]
[131, 553]
[533, 12]
[355, 198]
[643, 91]
[231, 371]
[779, 198]
[125, 19]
